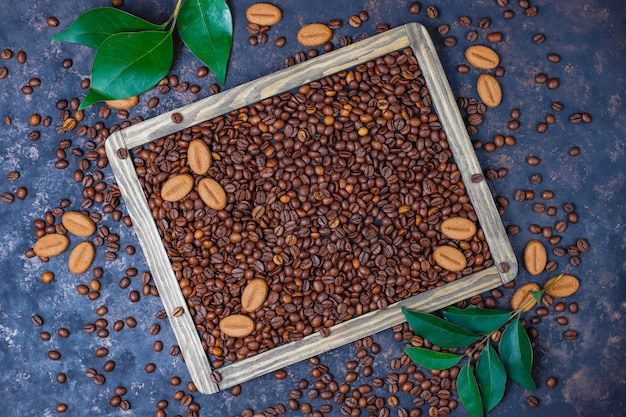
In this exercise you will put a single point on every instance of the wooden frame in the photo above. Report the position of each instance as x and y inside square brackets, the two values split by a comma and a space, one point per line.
[411, 35]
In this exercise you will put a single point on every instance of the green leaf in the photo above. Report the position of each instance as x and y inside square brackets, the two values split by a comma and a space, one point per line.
[438, 331]
[93, 27]
[431, 359]
[476, 319]
[128, 64]
[537, 295]
[491, 378]
[517, 354]
[206, 27]
[468, 391]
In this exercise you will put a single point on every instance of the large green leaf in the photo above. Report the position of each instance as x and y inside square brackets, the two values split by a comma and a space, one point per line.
[206, 27]
[469, 393]
[491, 378]
[431, 359]
[128, 64]
[93, 27]
[438, 331]
[516, 353]
[476, 319]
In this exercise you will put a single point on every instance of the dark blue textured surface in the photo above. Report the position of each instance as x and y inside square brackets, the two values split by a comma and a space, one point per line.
[589, 35]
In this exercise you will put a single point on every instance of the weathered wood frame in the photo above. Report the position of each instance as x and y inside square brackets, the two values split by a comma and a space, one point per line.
[411, 35]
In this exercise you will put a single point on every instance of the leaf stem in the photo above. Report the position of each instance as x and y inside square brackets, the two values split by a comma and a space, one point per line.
[174, 15]
[514, 314]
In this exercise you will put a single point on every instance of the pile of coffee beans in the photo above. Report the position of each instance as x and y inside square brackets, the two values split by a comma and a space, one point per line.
[336, 193]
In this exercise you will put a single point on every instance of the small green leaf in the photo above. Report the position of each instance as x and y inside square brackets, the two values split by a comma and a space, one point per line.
[93, 27]
[468, 391]
[537, 295]
[431, 359]
[516, 353]
[491, 378]
[476, 319]
[128, 64]
[438, 331]
[206, 27]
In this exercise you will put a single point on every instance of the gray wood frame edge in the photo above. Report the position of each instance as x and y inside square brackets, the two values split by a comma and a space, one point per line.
[266, 86]
[460, 144]
[160, 266]
[357, 328]
[414, 35]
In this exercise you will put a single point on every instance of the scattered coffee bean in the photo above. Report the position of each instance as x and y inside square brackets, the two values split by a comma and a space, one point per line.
[7, 197]
[570, 335]
[36, 320]
[532, 402]
[415, 7]
[432, 12]
[354, 21]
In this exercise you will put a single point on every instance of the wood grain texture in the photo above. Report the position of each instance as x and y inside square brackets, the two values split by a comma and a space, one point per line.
[413, 35]
[358, 328]
[462, 150]
[160, 266]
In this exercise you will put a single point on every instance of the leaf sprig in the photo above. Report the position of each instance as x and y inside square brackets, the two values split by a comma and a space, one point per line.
[480, 385]
[133, 55]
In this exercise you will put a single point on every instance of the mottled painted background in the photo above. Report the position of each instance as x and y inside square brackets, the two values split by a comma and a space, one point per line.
[589, 36]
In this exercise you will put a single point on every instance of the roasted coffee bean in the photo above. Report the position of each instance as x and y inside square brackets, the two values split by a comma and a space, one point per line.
[432, 12]
[532, 402]
[7, 197]
[154, 329]
[533, 161]
[108, 366]
[177, 117]
[21, 57]
[153, 102]
[280, 42]
[415, 7]
[541, 127]
[354, 21]
[450, 41]
[552, 83]
[494, 37]
[335, 24]
[382, 27]
[36, 320]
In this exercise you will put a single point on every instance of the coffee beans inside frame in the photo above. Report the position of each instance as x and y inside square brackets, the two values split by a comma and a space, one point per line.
[334, 194]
